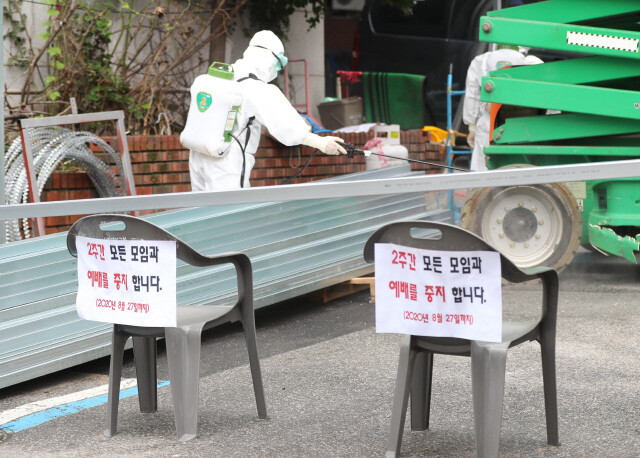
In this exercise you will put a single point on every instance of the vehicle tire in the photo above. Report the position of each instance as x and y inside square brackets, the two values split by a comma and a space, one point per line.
[533, 225]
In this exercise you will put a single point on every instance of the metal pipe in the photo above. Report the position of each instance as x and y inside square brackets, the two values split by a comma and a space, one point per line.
[418, 161]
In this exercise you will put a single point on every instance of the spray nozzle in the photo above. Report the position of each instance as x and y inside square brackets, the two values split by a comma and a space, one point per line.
[351, 149]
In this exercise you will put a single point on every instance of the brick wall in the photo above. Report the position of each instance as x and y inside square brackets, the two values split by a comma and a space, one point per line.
[161, 165]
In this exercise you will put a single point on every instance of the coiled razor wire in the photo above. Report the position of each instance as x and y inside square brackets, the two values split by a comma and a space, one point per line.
[52, 145]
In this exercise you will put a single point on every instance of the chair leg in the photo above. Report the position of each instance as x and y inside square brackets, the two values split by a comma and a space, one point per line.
[183, 354]
[488, 365]
[144, 354]
[548, 352]
[118, 342]
[401, 396]
[421, 391]
[254, 364]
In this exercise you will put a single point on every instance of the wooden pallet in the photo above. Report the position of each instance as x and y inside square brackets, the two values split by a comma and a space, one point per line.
[347, 288]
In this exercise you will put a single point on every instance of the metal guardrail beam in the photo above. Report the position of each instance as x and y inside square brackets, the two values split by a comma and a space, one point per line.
[319, 190]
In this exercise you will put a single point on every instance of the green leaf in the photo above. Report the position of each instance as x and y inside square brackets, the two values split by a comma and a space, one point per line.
[54, 51]
[49, 80]
[146, 106]
[54, 95]
[44, 35]
[58, 65]
[53, 12]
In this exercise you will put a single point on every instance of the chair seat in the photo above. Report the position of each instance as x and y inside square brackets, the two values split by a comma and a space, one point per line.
[194, 314]
[514, 330]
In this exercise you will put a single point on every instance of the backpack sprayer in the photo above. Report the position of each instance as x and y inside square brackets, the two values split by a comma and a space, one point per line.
[215, 99]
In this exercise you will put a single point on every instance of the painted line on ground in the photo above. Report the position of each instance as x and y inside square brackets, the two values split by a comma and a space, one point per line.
[36, 413]
[38, 406]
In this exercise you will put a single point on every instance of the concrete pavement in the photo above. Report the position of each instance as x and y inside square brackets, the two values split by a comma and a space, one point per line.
[329, 381]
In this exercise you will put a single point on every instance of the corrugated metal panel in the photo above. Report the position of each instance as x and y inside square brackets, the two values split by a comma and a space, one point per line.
[295, 247]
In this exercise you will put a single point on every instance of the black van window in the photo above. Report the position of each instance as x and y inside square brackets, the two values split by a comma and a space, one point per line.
[456, 19]
[463, 23]
[428, 18]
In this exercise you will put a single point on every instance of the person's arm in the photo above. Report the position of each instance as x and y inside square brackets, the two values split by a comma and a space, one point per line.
[274, 111]
[471, 107]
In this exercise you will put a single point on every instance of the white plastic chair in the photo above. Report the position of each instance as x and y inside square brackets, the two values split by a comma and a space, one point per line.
[183, 341]
[488, 360]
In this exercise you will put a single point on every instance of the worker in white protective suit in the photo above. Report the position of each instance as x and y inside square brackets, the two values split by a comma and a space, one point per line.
[477, 114]
[262, 104]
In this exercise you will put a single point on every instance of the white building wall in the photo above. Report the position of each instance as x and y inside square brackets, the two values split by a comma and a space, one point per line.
[302, 44]
[14, 77]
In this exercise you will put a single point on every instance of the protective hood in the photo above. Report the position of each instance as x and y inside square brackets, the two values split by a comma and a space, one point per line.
[267, 39]
[259, 57]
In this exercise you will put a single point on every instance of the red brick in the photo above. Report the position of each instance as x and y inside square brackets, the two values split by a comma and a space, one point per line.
[52, 196]
[162, 189]
[261, 173]
[52, 221]
[144, 190]
[170, 178]
[80, 180]
[151, 179]
[141, 168]
[81, 194]
[181, 188]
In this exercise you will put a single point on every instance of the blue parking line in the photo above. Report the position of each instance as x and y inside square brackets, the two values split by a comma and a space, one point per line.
[38, 418]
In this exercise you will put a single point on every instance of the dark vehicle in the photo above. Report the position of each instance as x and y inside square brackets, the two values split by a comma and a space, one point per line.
[426, 41]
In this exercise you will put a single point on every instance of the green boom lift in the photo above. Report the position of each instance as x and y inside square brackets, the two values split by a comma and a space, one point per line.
[595, 101]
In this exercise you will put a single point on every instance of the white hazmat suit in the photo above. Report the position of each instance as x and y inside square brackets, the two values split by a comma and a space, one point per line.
[264, 102]
[477, 114]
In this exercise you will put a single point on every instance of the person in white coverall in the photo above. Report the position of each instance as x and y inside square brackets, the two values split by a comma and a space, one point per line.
[477, 114]
[259, 65]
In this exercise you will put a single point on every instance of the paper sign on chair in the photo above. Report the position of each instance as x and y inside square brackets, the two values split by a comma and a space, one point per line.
[438, 293]
[127, 281]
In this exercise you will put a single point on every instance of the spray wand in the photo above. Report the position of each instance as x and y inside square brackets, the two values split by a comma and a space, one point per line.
[351, 150]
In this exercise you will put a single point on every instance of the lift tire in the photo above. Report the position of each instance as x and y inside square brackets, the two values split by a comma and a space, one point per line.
[533, 225]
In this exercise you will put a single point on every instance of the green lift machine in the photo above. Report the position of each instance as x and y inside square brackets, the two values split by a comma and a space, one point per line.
[585, 108]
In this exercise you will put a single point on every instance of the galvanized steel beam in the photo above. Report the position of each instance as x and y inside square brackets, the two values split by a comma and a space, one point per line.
[320, 190]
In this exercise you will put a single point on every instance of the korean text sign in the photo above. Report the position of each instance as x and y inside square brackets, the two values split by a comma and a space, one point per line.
[438, 293]
[127, 281]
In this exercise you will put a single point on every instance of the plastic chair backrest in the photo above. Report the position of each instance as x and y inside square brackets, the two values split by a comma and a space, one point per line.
[441, 236]
[130, 228]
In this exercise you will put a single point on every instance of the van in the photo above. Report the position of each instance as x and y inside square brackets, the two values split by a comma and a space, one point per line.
[426, 39]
